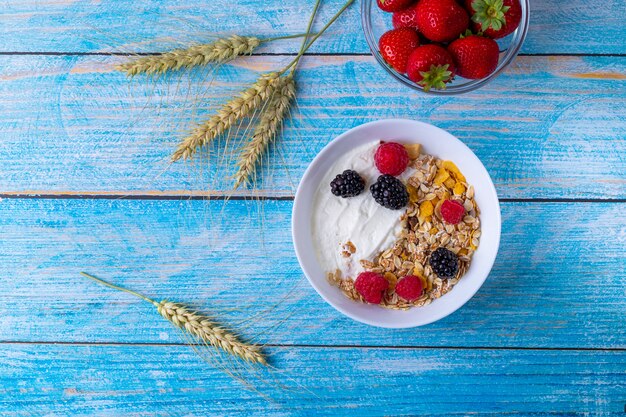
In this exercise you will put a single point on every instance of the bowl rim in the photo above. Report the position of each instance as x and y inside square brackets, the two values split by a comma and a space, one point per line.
[517, 40]
[298, 241]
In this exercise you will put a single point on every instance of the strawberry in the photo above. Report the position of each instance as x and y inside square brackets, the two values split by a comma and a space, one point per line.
[396, 45]
[406, 18]
[441, 20]
[494, 18]
[393, 5]
[431, 66]
[475, 56]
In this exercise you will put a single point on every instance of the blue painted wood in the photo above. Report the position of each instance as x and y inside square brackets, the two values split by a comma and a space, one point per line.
[558, 280]
[548, 127]
[576, 26]
[171, 380]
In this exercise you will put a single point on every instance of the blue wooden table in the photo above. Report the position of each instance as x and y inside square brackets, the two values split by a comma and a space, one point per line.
[86, 184]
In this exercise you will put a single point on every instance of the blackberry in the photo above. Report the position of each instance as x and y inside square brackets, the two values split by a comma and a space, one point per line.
[444, 263]
[347, 184]
[389, 192]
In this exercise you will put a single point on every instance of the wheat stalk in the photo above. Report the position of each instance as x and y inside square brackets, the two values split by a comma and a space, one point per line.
[218, 52]
[270, 122]
[234, 110]
[197, 325]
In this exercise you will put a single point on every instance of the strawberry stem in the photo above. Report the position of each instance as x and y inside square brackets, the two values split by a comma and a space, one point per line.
[489, 14]
[436, 77]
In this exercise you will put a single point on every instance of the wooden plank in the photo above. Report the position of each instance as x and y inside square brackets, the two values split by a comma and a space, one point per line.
[171, 380]
[151, 25]
[550, 127]
[558, 280]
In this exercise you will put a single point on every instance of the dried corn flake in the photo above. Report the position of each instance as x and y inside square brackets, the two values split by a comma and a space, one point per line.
[450, 183]
[459, 189]
[414, 150]
[441, 176]
[450, 166]
[426, 209]
[393, 280]
[413, 197]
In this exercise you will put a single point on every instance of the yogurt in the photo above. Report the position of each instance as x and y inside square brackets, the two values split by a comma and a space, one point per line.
[370, 227]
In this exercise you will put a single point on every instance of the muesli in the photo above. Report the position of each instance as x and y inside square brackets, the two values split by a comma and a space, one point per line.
[428, 231]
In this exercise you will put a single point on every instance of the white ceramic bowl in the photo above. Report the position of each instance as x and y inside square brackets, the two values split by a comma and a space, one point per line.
[437, 142]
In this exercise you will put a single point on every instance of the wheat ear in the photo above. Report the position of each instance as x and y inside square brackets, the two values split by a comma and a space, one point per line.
[234, 110]
[220, 51]
[197, 325]
[205, 329]
[275, 111]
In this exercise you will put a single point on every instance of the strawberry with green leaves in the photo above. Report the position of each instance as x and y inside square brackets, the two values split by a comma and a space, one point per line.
[431, 66]
[441, 20]
[475, 56]
[394, 5]
[494, 18]
[396, 45]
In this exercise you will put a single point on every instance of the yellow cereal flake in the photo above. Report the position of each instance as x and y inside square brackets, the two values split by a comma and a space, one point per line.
[426, 209]
[412, 193]
[441, 176]
[414, 150]
[433, 231]
[450, 183]
[393, 280]
[424, 280]
[450, 166]
[459, 189]
[462, 252]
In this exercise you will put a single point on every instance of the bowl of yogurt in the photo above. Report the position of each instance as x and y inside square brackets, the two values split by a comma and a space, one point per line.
[334, 234]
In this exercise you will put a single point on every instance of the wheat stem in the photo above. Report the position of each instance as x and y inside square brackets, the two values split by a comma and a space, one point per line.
[270, 121]
[234, 110]
[279, 38]
[306, 37]
[317, 35]
[117, 287]
[201, 327]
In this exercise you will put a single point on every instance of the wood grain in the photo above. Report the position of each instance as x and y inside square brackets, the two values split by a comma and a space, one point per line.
[549, 127]
[171, 380]
[558, 280]
[575, 27]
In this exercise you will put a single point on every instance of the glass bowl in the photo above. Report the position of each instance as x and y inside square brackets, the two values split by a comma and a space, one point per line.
[376, 22]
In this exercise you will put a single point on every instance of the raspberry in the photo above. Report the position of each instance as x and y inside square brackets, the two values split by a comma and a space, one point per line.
[390, 192]
[347, 184]
[409, 288]
[371, 286]
[452, 211]
[444, 263]
[391, 158]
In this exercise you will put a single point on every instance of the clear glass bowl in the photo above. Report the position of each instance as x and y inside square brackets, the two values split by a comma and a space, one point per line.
[376, 22]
